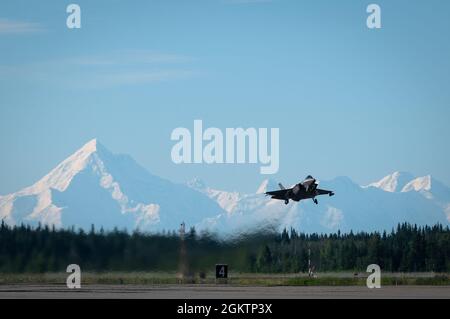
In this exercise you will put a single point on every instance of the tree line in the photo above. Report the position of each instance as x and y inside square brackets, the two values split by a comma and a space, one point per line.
[407, 248]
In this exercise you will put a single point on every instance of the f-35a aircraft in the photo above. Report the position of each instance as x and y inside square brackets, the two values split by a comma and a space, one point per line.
[304, 190]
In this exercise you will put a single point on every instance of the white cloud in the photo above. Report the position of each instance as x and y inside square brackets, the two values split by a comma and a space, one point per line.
[129, 58]
[137, 77]
[19, 27]
[127, 67]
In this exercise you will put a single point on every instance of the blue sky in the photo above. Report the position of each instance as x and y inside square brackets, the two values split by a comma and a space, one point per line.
[348, 100]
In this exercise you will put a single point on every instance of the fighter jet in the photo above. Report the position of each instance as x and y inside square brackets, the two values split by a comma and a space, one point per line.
[303, 190]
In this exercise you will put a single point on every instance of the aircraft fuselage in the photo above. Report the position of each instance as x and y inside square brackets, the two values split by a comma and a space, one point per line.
[304, 190]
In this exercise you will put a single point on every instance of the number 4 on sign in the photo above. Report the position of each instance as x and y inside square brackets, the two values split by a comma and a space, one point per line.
[221, 271]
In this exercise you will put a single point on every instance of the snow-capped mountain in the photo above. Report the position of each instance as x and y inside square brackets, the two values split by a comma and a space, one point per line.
[427, 186]
[267, 185]
[353, 208]
[393, 182]
[95, 186]
[226, 200]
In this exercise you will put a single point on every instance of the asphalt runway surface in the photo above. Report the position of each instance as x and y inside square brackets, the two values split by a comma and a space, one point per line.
[220, 292]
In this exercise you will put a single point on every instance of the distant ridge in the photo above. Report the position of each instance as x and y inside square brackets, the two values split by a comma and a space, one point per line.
[95, 186]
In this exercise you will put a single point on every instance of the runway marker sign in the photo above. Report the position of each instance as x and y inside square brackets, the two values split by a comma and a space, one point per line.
[221, 271]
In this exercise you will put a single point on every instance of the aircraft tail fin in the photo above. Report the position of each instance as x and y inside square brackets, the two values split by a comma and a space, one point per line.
[281, 186]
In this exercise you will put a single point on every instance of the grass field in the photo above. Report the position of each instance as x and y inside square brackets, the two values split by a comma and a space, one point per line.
[155, 278]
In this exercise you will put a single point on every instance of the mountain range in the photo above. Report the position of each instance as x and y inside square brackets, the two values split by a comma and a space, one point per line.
[96, 187]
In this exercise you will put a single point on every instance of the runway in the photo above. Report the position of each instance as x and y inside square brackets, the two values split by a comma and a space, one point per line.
[220, 292]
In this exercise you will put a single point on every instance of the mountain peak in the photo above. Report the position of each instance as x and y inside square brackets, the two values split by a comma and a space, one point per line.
[61, 176]
[267, 185]
[393, 182]
[94, 186]
[419, 184]
[90, 146]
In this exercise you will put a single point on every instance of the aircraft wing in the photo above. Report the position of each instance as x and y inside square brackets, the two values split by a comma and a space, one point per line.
[280, 194]
[324, 192]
